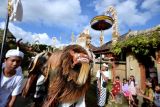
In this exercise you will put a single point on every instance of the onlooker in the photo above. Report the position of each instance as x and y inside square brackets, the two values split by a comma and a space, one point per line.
[126, 92]
[147, 95]
[18, 69]
[11, 79]
[132, 89]
[102, 78]
[157, 96]
[116, 88]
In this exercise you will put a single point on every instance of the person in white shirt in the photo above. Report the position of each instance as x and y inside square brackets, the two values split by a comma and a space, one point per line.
[102, 78]
[11, 79]
[18, 69]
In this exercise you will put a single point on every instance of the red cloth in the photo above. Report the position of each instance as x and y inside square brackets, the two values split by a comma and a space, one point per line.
[116, 88]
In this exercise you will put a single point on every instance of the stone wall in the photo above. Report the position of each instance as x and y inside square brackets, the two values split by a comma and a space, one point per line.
[133, 68]
[120, 70]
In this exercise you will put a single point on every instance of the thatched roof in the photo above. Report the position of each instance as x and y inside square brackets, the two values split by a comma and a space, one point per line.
[8, 37]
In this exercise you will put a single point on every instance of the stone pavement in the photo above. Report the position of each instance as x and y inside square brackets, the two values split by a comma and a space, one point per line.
[123, 103]
[90, 100]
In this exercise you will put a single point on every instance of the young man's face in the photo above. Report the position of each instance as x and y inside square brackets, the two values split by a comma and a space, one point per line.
[13, 62]
[104, 68]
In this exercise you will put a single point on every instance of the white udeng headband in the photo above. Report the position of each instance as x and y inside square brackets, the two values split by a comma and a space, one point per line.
[105, 65]
[14, 52]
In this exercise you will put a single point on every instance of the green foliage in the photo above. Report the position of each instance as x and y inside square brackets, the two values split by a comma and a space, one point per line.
[139, 44]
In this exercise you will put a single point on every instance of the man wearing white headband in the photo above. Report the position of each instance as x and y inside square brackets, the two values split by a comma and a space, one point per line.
[10, 79]
[102, 79]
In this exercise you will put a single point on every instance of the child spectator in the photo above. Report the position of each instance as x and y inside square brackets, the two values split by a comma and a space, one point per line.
[116, 88]
[132, 88]
[126, 92]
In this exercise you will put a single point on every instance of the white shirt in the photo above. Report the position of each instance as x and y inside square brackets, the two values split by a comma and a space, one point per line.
[79, 103]
[109, 74]
[10, 86]
[125, 87]
[106, 74]
[132, 88]
[157, 99]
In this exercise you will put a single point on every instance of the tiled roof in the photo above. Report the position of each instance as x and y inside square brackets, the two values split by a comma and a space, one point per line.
[92, 47]
[106, 47]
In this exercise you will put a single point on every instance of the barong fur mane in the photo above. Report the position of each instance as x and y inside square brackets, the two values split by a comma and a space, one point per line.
[69, 82]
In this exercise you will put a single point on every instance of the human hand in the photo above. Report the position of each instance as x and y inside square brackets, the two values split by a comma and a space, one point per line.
[141, 91]
[99, 91]
[140, 94]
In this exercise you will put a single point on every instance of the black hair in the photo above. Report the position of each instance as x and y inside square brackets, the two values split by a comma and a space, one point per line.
[124, 79]
[117, 77]
[133, 80]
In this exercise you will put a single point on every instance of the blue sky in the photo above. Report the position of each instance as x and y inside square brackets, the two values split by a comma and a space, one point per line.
[45, 19]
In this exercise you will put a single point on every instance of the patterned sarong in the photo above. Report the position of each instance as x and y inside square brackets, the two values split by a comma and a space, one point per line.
[102, 96]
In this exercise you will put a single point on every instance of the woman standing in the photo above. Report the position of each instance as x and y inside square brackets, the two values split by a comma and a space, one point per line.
[102, 78]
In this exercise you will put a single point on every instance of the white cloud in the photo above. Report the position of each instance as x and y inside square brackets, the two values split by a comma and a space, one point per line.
[151, 5]
[130, 12]
[30, 37]
[51, 12]
[68, 14]
[102, 5]
[129, 15]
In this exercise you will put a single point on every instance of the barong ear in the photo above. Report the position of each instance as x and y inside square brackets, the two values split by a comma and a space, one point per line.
[71, 52]
[34, 62]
